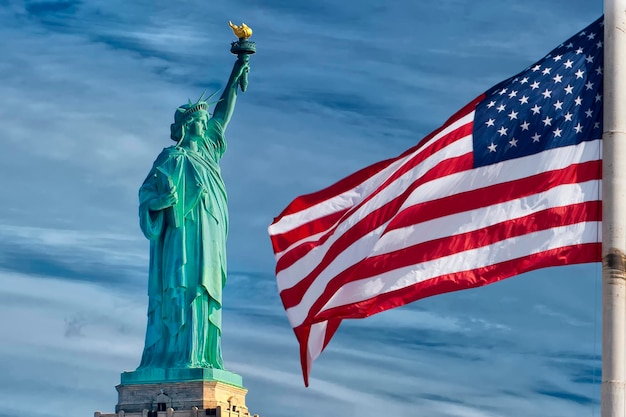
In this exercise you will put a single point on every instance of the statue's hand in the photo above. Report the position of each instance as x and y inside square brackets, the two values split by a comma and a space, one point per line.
[241, 74]
[164, 200]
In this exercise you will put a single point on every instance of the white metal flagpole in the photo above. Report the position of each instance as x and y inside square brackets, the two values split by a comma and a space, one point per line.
[614, 211]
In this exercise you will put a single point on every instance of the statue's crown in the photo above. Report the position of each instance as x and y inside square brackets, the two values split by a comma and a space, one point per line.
[202, 105]
[190, 108]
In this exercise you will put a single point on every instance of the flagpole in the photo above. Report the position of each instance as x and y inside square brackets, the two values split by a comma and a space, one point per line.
[614, 211]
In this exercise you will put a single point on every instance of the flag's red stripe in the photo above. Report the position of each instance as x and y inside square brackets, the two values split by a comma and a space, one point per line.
[449, 245]
[302, 334]
[348, 183]
[373, 219]
[283, 241]
[567, 255]
[331, 328]
[457, 203]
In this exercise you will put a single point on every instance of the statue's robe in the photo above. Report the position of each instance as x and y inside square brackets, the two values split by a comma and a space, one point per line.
[187, 256]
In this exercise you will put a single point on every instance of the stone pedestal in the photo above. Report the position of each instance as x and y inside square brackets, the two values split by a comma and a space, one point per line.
[180, 393]
[181, 396]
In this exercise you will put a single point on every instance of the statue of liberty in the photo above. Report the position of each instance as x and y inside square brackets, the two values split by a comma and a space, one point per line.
[183, 212]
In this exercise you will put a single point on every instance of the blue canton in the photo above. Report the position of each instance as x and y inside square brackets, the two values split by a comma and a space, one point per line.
[555, 102]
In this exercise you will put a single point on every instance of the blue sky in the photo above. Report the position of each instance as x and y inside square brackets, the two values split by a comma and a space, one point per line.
[88, 90]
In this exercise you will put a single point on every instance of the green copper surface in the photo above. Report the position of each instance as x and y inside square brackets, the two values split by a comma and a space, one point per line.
[152, 375]
[183, 212]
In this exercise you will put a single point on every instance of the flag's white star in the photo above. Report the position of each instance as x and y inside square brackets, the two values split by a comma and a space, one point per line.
[513, 142]
[501, 108]
[591, 36]
[503, 91]
[513, 115]
[524, 80]
[599, 70]
[589, 113]
[596, 125]
[547, 93]
[599, 44]
[502, 131]
[536, 68]
[547, 121]
[525, 125]
[523, 100]
[579, 51]
[536, 137]
[578, 128]
[568, 63]
[490, 122]
[491, 104]
[558, 105]
[492, 147]
[557, 78]
[579, 73]
[569, 45]
[598, 97]
[557, 133]
[536, 109]
[569, 89]
[512, 94]
[557, 58]
[534, 85]
[589, 85]
[568, 117]
[546, 71]
[589, 59]
[578, 101]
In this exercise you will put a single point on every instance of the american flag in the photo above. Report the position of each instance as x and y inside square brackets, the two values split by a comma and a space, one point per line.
[509, 184]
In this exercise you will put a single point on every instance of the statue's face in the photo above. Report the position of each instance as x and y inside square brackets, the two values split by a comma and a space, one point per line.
[198, 124]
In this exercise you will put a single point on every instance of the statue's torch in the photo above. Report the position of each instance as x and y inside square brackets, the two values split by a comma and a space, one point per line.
[243, 48]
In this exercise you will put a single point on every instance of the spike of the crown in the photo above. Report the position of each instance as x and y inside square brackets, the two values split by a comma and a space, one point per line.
[211, 96]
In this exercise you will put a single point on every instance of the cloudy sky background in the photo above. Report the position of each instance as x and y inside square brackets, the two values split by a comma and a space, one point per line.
[87, 93]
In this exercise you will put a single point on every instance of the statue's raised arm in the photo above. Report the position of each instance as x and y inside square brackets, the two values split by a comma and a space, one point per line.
[243, 48]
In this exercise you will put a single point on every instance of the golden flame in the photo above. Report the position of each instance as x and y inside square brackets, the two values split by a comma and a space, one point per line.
[242, 32]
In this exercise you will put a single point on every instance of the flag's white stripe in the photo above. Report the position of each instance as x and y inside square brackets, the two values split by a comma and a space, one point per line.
[460, 147]
[353, 196]
[317, 334]
[311, 238]
[477, 178]
[471, 220]
[532, 243]
[310, 260]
